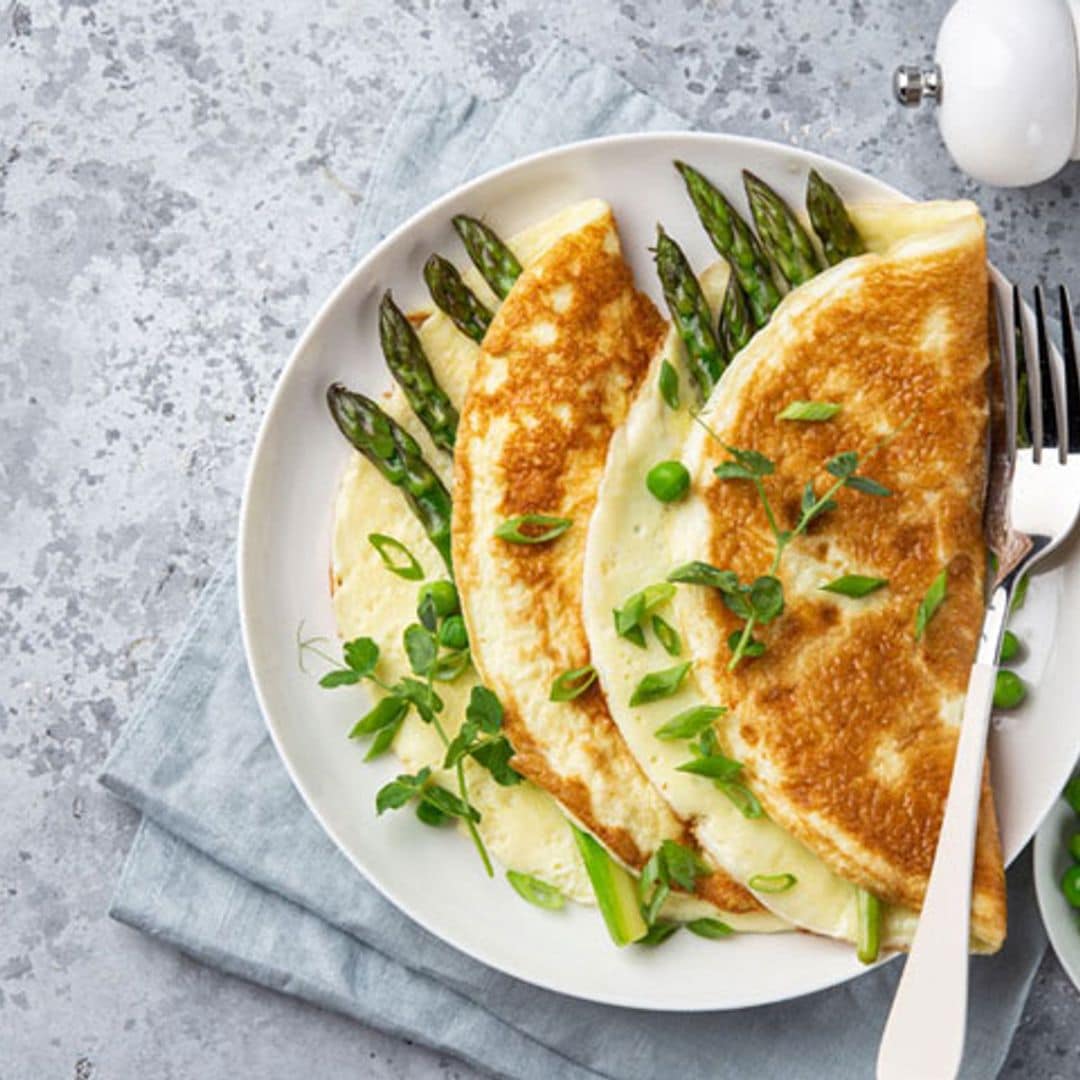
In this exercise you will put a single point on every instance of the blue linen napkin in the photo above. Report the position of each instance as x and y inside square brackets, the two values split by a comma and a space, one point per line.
[229, 866]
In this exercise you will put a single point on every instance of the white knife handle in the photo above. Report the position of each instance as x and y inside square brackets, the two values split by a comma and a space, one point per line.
[924, 1035]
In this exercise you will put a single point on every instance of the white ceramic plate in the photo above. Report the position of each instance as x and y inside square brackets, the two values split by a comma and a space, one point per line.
[284, 553]
[1062, 921]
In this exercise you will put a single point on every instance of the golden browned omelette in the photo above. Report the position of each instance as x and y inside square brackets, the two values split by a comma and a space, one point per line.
[846, 725]
[559, 366]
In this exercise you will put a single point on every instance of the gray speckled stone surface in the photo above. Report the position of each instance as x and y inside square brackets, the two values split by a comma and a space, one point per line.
[178, 183]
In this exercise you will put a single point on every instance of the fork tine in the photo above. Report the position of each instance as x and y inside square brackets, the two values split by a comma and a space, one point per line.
[1029, 398]
[1006, 375]
[1072, 370]
[1053, 407]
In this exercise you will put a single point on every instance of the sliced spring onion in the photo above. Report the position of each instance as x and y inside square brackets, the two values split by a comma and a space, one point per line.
[616, 894]
[653, 887]
[744, 799]
[682, 865]
[573, 683]
[809, 410]
[690, 723]
[772, 883]
[536, 891]
[532, 528]
[407, 567]
[659, 684]
[667, 635]
[1020, 593]
[658, 933]
[669, 385]
[869, 931]
[709, 928]
[855, 585]
[928, 606]
[636, 606]
[715, 766]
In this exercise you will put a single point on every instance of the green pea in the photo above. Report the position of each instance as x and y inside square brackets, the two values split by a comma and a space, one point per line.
[1070, 885]
[443, 596]
[452, 633]
[668, 481]
[1009, 690]
[1010, 647]
[1074, 846]
[1072, 793]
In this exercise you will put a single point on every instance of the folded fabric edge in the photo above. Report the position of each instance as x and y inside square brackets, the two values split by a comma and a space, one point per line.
[152, 855]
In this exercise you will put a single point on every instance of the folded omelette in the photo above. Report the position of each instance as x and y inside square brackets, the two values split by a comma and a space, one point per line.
[556, 373]
[845, 725]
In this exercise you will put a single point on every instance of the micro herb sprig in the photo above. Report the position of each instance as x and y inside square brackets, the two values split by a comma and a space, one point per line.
[670, 864]
[725, 773]
[762, 601]
[480, 736]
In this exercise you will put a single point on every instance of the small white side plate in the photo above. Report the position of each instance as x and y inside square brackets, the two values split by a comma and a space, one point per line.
[1052, 859]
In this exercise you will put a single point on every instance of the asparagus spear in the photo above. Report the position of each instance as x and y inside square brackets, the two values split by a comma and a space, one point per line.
[395, 453]
[839, 237]
[782, 235]
[736, 328]
[690, 313]
[409, 366]
[733, 238]
[455, 299]
[490, 255]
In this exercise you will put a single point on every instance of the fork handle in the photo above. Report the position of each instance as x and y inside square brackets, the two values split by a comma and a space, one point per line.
[924, 1035]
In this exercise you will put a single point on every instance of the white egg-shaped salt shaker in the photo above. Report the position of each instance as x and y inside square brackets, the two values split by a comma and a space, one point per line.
[1007, 79]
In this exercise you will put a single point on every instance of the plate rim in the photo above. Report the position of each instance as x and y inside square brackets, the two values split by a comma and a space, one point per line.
[1053, 908]
[245, 585]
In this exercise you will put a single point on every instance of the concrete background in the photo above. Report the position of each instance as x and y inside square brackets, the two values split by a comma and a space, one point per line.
[178, 184]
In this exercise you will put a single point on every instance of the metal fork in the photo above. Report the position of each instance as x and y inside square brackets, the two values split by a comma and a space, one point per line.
[1033, 500]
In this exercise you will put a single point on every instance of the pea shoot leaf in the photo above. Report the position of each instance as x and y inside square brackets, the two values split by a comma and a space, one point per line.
[388, 711]
[495, 756]
[421, 648]
[361, 655]
[843, 465]
[755, 463]
[752, 648]
[703, 573]
[340, 677]
[866, 486]
[419, 694]
[767, 598]
[401, 790]
[485, 708]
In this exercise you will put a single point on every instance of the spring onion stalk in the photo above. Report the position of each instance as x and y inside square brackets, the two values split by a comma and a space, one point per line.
[615, 889]
[869, 930]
